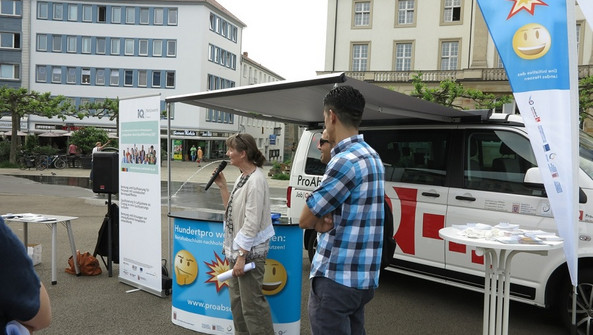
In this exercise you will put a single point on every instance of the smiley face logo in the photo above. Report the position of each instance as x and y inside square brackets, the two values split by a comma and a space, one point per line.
[186, 268]
[532, 41]
[274, 277]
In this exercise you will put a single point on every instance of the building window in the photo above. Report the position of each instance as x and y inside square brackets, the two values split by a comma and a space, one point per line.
[100, 77]
[172, 17]
[10, 40]
[144, 13]
[223, 28]
[41, 42]
[56, 75]
[86, 44]
[41, 74]
[129, 47]
[170, 79]
[403, 56]
[71, 75]
[115, 14]
[115, 43]
[87, 13]
[58, 10]
[114, 77]
[85, 77]
[56, 43]
[71, 44]
[452, 11]
[171, 48]
[101, 45]
[101, 14]
[157, 48]
[498, 63]
[156, 78]
[9, 71]
[11, 7]
[449, 55]
[128, 77]
[142, 79]
[143, 47]
[360, 57]
[72, 12]
[362, 14]
[130, 15]
[405, 12]
[42, 10]
[158, 16]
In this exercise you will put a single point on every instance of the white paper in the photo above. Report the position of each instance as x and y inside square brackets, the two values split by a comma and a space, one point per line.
[228, 274]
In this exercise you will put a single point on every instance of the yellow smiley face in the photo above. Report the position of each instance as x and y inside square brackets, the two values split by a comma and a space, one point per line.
[274, 277]
[186, 268]
[532, 41]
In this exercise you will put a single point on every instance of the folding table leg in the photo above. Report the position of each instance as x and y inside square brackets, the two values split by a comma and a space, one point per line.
[54, 238]
[72, 245]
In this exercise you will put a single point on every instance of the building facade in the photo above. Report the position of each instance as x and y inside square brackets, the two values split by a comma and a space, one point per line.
[388, 42]
[92, 50]
[269, 135]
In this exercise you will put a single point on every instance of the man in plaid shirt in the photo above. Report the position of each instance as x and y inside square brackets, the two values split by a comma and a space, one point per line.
[347, 209]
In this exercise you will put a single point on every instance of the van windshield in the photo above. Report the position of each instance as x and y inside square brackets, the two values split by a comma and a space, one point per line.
[586, 153]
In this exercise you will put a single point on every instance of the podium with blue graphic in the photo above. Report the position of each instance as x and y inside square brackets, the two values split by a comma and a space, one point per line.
[201, 302]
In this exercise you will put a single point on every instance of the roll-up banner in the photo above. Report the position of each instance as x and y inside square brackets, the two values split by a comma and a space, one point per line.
[140, 193]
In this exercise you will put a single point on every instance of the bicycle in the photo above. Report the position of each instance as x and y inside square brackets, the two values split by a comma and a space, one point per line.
[27, 161]
[56, 161]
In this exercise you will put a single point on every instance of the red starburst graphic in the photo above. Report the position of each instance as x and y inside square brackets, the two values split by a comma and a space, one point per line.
[527, 5]
[217, 267]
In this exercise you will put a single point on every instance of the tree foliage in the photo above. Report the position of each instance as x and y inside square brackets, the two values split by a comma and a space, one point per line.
[449, 92]
[86, 138]
[18, 102]
[586, 97]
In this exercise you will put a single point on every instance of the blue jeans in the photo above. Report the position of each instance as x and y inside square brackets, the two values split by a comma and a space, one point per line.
[337, 309]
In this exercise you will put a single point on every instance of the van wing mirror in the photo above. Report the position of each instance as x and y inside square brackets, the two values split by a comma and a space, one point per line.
[534, 178]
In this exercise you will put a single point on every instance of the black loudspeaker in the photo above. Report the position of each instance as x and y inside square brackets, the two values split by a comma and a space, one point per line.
[105, 172]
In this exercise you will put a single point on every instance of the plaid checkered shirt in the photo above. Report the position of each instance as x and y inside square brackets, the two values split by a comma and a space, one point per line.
[353, 189]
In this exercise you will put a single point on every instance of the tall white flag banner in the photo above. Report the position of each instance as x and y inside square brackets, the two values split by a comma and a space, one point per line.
[536, 41]
[140, 193]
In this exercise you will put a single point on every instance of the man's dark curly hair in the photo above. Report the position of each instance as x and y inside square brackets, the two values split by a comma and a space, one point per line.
[348, 104]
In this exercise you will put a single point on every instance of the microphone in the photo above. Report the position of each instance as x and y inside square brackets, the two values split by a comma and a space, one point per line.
[219, 169]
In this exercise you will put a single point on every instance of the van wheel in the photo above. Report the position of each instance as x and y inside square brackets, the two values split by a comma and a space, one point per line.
[584, 309]
[312, 246]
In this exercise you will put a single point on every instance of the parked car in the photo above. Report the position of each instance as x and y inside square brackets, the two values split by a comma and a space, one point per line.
[443, 174]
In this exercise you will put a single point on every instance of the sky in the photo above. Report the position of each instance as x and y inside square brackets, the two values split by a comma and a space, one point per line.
[285, 36]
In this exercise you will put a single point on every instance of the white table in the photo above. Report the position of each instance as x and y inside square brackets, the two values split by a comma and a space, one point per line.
[497, 263]
[51, 221]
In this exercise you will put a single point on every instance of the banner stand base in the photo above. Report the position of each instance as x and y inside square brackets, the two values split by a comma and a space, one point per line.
[151, 290]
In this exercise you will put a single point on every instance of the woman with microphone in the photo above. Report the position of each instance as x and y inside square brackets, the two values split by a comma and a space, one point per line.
[247, 233]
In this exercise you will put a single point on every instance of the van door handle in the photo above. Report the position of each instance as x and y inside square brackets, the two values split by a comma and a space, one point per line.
[461, 197]
[431, 194]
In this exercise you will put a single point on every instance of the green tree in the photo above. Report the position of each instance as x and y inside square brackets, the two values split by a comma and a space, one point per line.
[449, 91]
[586, 97]
[18, 102]
[86, 138]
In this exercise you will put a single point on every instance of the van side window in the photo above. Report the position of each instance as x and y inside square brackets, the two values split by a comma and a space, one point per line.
[313, 165]
[497, 160]
[411, 156]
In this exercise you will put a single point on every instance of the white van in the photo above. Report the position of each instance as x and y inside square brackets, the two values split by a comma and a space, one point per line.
[438, 175]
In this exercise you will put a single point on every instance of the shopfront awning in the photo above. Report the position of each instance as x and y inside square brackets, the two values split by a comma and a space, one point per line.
[301, 102]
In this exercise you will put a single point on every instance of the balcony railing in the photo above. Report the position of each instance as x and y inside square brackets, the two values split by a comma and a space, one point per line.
[482, 74]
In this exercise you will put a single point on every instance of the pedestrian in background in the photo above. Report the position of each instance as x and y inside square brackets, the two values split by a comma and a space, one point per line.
[347, 209]
[247, 233]
[200, 155]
